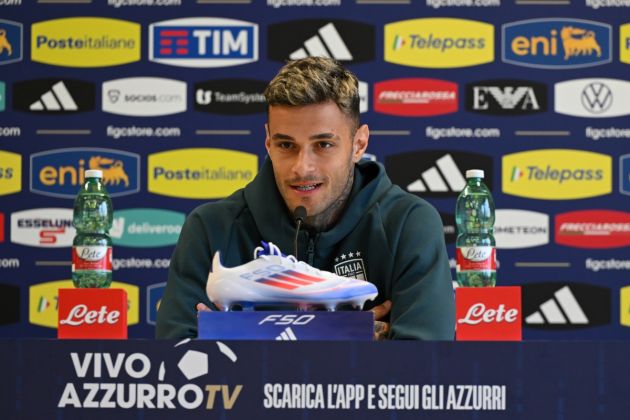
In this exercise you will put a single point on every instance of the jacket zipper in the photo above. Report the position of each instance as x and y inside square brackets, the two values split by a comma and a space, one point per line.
[310, 251]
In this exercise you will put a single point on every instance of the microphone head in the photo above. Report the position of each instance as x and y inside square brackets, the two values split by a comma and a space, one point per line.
[299, 213]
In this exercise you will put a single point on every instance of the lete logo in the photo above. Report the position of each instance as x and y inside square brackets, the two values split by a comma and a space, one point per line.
[593, 229]
[415, 97]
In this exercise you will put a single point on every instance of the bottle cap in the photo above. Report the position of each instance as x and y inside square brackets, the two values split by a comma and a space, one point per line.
[474, 173]
[94, 173]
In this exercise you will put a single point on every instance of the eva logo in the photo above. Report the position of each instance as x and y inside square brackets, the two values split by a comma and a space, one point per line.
[146, 228]
[144, 96]
[10, 172]
[506, 97]
[53, 96]
[514, 229]
[439, 43]
[593, 98]
[60, 173]
[593, 229]
[231, 96]
[624, 307]
[10, 41]
[557, 174]
[85, 42]
[154, 299]
[624, 174]
[44, 228]
[488, 313]
[200, 173]
[203, 42]
[415, 97]
[43, 302]
[557, 43]
[624, 43]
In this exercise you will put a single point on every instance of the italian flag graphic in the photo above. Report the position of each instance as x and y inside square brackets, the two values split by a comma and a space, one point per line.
[398, 42]
[516, 174]
[43, 304]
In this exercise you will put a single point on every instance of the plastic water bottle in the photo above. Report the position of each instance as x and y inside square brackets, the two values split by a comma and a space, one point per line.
[92, 247]
[475, 246]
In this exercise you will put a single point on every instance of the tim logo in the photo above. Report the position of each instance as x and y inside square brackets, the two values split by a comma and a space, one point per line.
[557, 43]
[10, 41]
[58, 173]
[203, 42]
[350, 265]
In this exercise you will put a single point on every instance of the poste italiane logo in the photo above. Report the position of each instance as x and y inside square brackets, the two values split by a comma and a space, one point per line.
[624, 307]
[85, 42]
[10, 172]
[200, 173]
[439, 43]
[624, 43]
[43, 300]
[146, 227]
[557, 174]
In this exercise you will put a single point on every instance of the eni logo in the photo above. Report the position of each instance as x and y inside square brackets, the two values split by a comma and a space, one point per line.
[113, 170]
[557, 43]
[4, 43]
[85, 42]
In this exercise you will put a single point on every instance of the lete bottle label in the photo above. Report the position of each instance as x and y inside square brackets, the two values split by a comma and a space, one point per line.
[94, 257]
[476, 258]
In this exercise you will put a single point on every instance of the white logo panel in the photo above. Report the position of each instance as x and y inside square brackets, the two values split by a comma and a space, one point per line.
[144, 96]
[44, 228]
[593, 98]
[520, 228]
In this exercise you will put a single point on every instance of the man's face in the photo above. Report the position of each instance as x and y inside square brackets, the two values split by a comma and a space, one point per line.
[313, 151]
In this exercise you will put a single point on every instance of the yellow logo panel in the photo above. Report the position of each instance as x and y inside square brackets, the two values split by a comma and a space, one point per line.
[557, 174]
[200, 173]
[10, 172]
[43, 299]
[85, 42]
[624, 43]
[625, 306]
[439, 43]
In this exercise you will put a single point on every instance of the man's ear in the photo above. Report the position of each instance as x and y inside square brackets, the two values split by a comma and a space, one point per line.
[360, 142]
[267, 138]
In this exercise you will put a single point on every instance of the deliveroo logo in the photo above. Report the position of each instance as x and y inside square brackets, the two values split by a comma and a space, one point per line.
[146, 227]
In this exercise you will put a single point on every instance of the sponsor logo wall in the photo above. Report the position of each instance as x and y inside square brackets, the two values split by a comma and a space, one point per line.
[171, 108]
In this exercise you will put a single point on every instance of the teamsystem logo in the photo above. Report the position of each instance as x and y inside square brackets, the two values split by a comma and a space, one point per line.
[59, 173]
[593, 97]
[10, 41]
[415, 97]
[343, 40]
[231, 96]
[436, 173]
[506, 97]
[439, 43]
[53, 96]
[557, 43]
[85, 42]
[144, 96]
[203, 42]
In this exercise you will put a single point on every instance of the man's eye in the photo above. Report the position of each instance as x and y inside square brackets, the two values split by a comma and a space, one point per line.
[285, 145]
[325, 144]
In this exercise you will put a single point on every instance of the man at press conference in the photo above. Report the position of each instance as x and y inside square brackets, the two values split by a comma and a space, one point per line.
[315, 142]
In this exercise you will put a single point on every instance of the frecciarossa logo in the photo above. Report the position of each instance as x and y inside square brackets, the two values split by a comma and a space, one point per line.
[557, 43]
[557, 174]
[415, 97]
[593, 229]
[59, 173]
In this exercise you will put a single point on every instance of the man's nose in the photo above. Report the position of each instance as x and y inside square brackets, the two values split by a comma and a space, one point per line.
[304, 163]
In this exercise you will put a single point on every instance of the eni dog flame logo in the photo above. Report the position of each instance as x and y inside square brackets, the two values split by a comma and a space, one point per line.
[577, 41]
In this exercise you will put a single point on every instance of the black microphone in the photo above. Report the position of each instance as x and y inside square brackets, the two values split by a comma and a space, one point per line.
[299, 215]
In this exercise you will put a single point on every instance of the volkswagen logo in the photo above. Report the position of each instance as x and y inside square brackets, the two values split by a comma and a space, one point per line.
[597, 97]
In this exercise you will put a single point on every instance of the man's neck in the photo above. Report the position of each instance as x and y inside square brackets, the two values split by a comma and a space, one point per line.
[329, 217]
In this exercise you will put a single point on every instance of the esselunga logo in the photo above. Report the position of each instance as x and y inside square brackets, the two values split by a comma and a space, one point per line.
[556, 43]
[439, 43]
[60, 172]
[200, 173]
[44, 227]
[10, 172]
[85, 42]
[146, 227]
[557, 174]
[43, 302]
[624, 43]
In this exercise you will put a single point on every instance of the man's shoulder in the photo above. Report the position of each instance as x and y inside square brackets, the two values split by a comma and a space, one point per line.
[231, 207]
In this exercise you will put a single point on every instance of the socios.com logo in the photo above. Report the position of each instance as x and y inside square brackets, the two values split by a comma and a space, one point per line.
[624, 43]
[203, 42]
[557, 174]
[10, 172]
[146, 227]
[557, 43]
[43, 302]
[85, 42]
[439, 43]
[60, 172]
[10, 41]
[200, 173]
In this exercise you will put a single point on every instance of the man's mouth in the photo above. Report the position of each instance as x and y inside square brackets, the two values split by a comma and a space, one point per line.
[306, 187]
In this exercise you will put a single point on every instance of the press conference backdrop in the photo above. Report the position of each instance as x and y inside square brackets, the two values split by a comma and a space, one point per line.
[165, 96]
